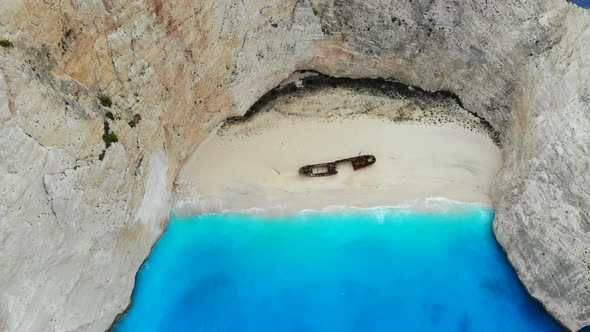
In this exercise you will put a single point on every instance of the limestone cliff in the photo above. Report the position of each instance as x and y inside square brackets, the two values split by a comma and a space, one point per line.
[76, 223]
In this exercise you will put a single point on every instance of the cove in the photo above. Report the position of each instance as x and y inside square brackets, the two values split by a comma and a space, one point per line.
[380, 269]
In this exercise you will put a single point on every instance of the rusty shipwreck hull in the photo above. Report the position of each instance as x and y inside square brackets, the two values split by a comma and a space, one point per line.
[327, 169]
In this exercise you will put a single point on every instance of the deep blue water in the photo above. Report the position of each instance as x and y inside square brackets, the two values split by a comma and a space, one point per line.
[582, 3]
[385, 269]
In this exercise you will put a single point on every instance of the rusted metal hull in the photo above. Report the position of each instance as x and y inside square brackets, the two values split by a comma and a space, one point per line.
[327, 169]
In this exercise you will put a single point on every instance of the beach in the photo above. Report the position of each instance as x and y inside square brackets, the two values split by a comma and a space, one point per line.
[423, 152]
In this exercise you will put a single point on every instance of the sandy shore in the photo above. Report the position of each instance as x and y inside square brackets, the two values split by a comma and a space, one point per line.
[254, 163]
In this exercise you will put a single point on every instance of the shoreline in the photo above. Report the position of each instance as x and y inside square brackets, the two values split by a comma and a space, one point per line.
[428, 205]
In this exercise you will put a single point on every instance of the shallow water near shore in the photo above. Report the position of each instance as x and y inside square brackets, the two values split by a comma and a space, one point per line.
[381, 269]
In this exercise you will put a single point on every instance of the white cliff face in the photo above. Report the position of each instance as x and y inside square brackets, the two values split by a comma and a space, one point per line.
[69, 237]
[543, 194]
[74, 229]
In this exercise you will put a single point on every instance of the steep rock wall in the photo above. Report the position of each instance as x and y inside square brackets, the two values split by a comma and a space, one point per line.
[74, 229]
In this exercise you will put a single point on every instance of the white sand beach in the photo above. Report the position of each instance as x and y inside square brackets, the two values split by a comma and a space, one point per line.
[254, 163]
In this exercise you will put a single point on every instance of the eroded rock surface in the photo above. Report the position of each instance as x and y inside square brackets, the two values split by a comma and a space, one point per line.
[74, 228]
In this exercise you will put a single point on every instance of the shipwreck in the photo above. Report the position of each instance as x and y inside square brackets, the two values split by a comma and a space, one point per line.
[327, 169]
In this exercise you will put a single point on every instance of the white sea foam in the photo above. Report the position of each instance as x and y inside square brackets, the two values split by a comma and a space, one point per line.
[213, 205]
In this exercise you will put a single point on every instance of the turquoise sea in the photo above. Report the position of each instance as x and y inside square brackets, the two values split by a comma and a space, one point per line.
[382, 269]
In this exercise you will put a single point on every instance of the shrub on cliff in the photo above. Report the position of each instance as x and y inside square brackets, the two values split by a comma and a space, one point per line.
[5, 43]
[109, 138]
[105, 101]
